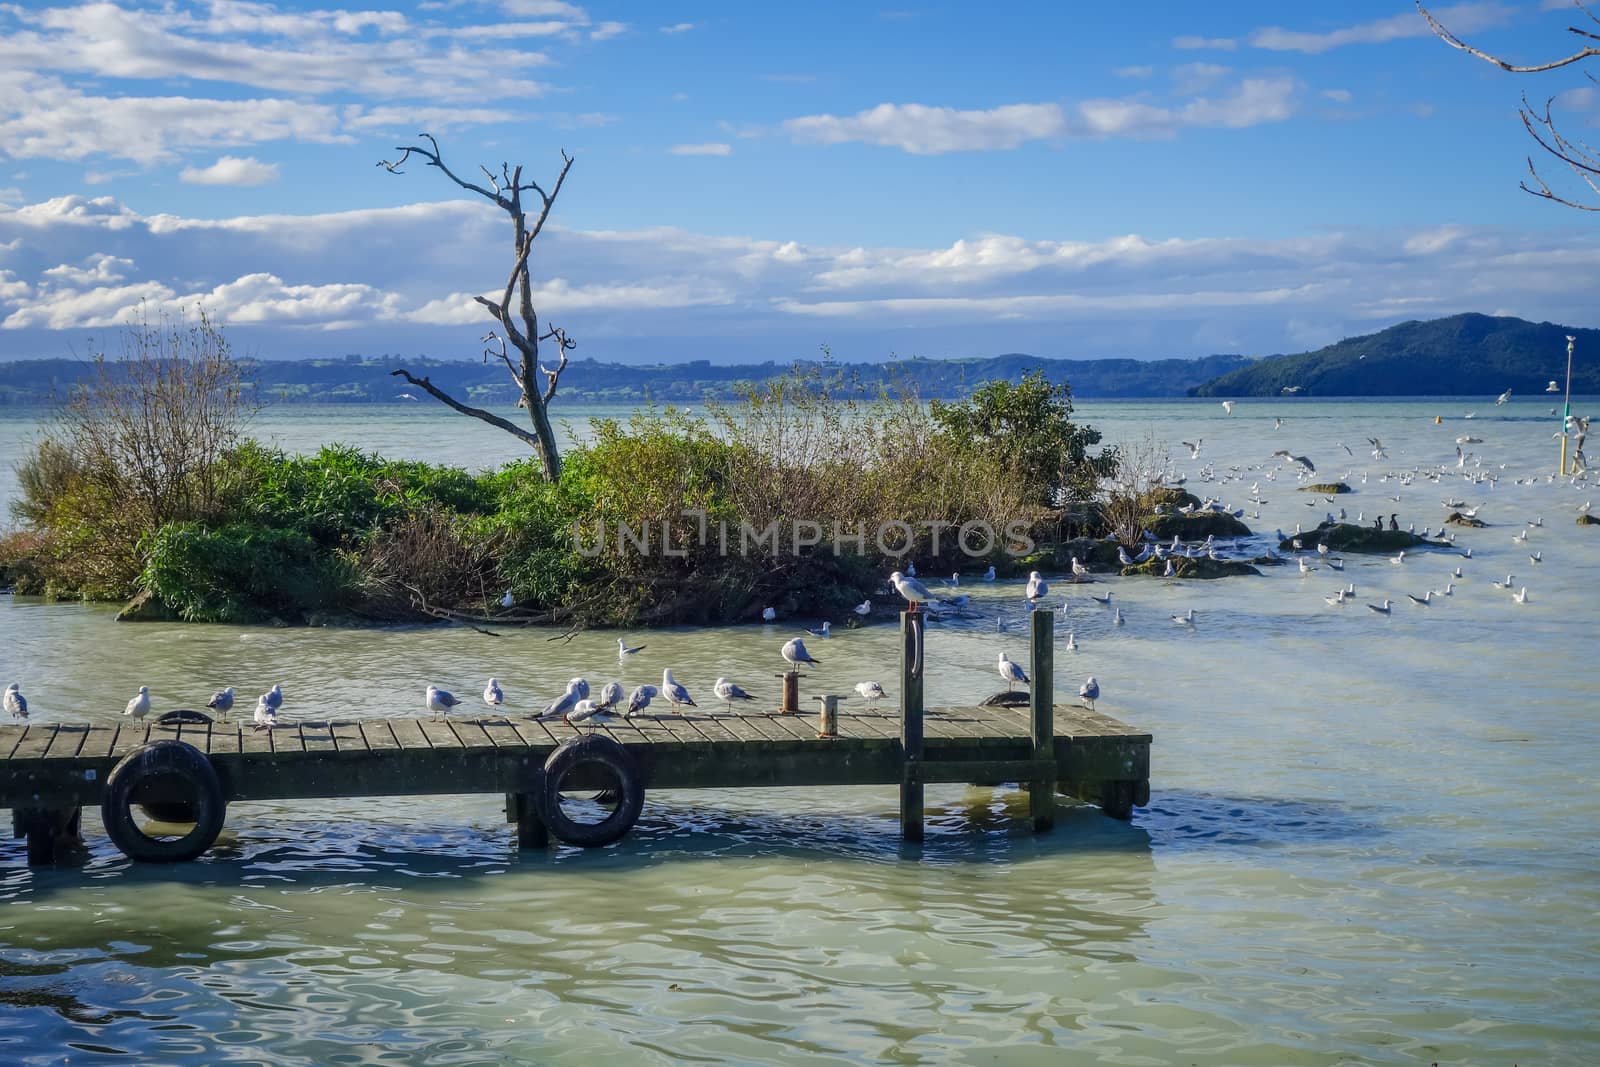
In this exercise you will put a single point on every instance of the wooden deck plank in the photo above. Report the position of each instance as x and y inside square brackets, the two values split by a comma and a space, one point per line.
[347, 736]
[800, 727]
[131, 736]
[316, 737]
[377, 735]
[762, 726]
[499, 732]
[562, 732]
[225, 739]
[650, 727]
[713, 729]
[255, 741]
[408, 733]
[471, 734]
[36, 742]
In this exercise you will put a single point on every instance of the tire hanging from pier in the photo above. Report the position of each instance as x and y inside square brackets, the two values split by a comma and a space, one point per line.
[590, 750]
[181, 768]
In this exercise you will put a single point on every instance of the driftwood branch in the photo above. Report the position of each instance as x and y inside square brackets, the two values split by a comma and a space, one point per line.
[466, 409]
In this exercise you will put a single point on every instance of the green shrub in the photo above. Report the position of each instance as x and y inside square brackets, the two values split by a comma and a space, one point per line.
[244, 573]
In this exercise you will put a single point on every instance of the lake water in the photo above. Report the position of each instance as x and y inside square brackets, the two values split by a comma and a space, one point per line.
[1371, 840]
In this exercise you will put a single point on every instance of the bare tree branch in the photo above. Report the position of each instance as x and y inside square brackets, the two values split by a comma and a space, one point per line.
[1455, 42]
[478, 413]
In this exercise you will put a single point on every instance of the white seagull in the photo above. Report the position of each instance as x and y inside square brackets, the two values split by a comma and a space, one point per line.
[1106, 600]
[1090, 692]
[583, 709]
[16, 703]
[139, 706]
[506, 599]
[266, 716]
[221, 701]
[493, 695]
[727, 692]
[988, 575]
[871, 692]
[440, 701]
[623, 651]
[1012, 672]
[1072, 641]
[768, 614]
[610, 696]
[1186, 619]
[1386, 609]
[1521, 595]
[640, 699]
[864, 608]
[1038, 588]
[674, 691]
[821, 631]
[558, 708]
[914, 591]
[795, 653]
[274, 696]
[1227, 406]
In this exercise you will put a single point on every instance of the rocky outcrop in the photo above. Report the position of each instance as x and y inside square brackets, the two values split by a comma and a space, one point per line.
[1348, 537]
[1201, 568]
[1329, 488]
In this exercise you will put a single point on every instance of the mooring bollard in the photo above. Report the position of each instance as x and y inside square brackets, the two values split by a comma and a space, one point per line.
[791, 693]
[828, 718]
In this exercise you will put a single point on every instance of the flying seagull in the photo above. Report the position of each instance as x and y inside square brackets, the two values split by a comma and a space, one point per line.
[1311, 468]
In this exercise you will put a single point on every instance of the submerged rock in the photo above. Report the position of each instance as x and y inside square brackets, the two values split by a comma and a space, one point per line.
[1196, 526]
[1348, 537]
[1458, 519]
[1588, 520]
[1201, 567]
[1330, 488]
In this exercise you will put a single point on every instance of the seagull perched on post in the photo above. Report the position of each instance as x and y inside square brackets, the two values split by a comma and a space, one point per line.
[139, 706]
[1038, 588]
[1090, 692]
[221, 701]
[16, 703]
[914, 591]
[727, 692]
[440, 701]
[1012, 672]
[674, 691]
[795, 653]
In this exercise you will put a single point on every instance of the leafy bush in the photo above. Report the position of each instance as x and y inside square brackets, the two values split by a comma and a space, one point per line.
[244, 573]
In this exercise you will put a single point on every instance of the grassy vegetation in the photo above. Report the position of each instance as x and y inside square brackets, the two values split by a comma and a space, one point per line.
[806, 461]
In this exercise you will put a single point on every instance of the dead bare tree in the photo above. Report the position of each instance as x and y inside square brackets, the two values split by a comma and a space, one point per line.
[518, 321]
[1581, 158]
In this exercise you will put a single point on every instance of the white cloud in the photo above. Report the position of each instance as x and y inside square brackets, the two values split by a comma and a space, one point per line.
[607, 30]
[1338, 96]
[401, 279]
[1460, 18]
[231, 170]
[678, 27]
[711, 148]
[924, 130]
[1220, 44]
[1134, 72]
[407, 120]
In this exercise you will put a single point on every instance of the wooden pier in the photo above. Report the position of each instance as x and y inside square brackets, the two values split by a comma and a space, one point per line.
[49, 771]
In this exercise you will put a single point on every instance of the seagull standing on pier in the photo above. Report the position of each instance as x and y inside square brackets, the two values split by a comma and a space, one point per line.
[493, 695]
[795, 653]
[440, 701]
[274, 697]
[610, 696]
[139, 706]
[1090, 692]
[584, 709]
[16, 703]
[266, 716]
[1012, 672]
[640, 700]
[674, 691]
[914, 591]
[871, 692]
[1038, 588]
[727, 692]
[559, 707]
[221, 701]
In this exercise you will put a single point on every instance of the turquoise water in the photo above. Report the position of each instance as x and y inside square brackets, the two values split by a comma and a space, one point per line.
[1370, 839]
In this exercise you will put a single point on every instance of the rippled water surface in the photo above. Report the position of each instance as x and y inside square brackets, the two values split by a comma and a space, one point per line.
[1370, 840]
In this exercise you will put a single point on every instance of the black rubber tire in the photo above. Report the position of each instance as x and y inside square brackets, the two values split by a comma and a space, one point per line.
[595, 749]
[163, 759]
[183, 715]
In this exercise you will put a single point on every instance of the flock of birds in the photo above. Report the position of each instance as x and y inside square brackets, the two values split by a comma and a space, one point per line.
[579, 702]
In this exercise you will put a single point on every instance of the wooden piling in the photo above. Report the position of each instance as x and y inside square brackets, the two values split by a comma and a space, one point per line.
[911, 672]
[531, 830]
[1042, 790]
[791, 693]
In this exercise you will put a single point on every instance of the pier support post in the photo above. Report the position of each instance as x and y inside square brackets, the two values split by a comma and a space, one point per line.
[531, 830]
[1042, 791]
[791, 693]
[911, 666]
[54, 834]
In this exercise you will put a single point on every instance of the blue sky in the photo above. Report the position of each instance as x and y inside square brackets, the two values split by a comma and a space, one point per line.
[756, 180]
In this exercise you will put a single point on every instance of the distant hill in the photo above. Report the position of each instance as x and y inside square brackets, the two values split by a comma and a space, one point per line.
[361, 379]
[1462, 354]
